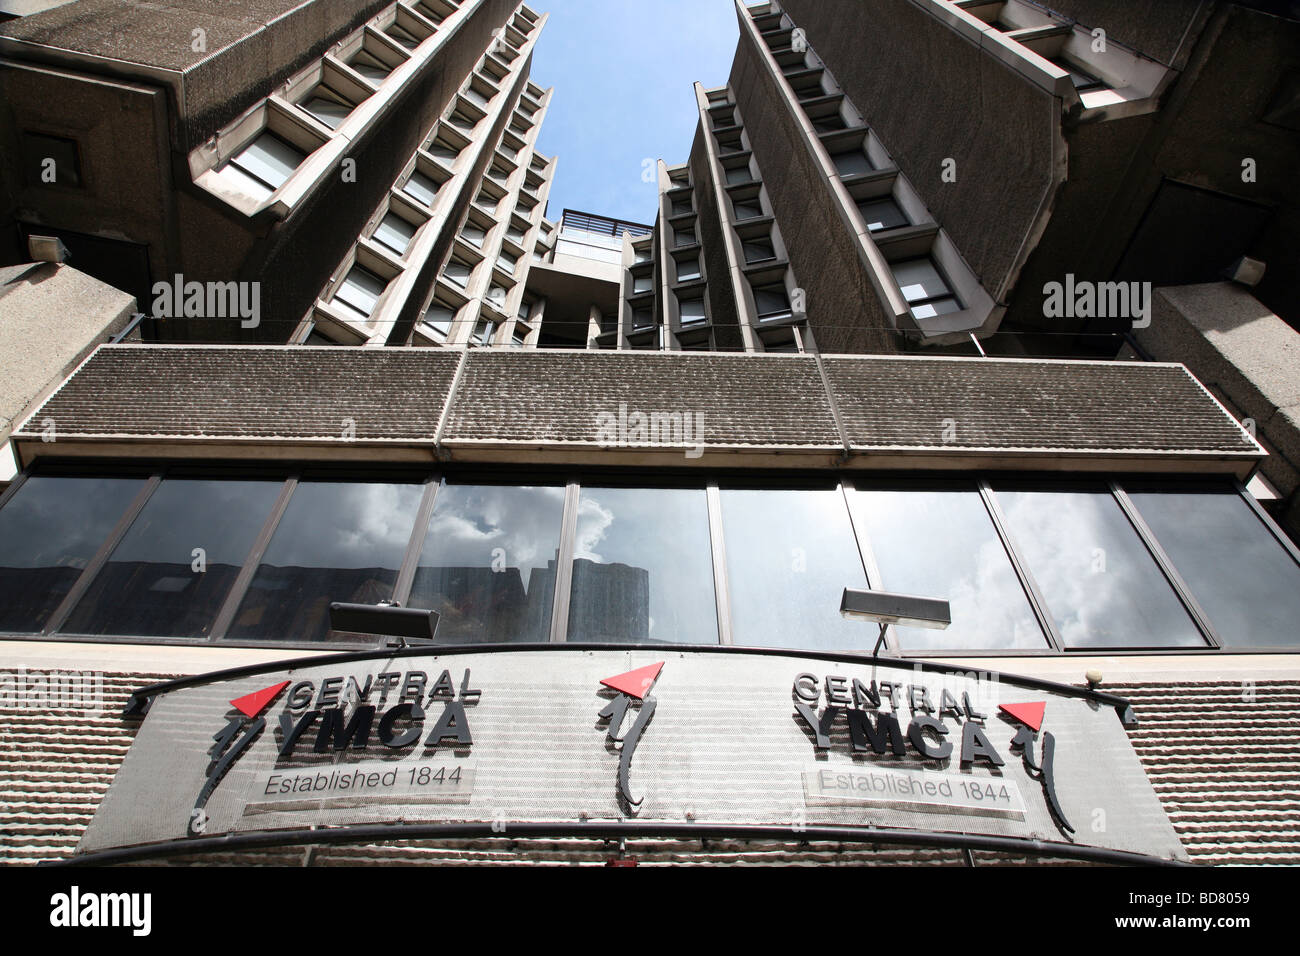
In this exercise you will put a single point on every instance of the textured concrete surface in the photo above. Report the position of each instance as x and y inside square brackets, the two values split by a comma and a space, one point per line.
[36, 300]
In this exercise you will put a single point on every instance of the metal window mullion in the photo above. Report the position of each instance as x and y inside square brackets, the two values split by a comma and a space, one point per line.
[96, 563]
[1253, 503]
[1184, 593]
[1037, 601]
[875, 581]
[718, 547]
[251, 563]
[410, 562]
[564, 564]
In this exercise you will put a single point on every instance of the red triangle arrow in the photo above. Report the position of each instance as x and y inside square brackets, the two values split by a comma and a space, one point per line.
[254, 703]
[1031, 715]
[635, 683]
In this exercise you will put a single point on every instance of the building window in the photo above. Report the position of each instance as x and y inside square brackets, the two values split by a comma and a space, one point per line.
[852, 162]
[484, 331]
[1102, 586]
[394, 233]
[150, 586]
[420, 188]
[460, 574]
[473, 234]
[940, 542]
[771, 302]
[49, 531]
[924, 288]
[444, 149]
[758, 250]
[692, 310]
[747, 208]
[683, 237]
[370, 66]
[438, 319]
[327, 105]
[682, 206]
[506, 262]
[738, 174]
[883, 213]
[457, 273]
[790, 555]
[360, 291]
[1252, 600]
[641, 284]
[642, 567]
[404, 37]
[496, 297]
[643, 318]
[688, 269]
[266, 163]
[337, 541]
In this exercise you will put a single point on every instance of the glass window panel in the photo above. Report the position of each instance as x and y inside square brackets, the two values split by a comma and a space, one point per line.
[370, 66]
[928, 310]
[506, 262]
[759, 250]
[882, 214]
[941, 543]
[790, 555]
[327, 109]
[643, 318]
[738, 174]
[1101, 584]
[440, 317]
[403, 36]
[269, 159]
[361, 290]
[421, 188]
[748, 210]
[692, 310]
[395, 233]
[150, 586]
[443, 150]
[49, 531]
[918, 279]
[641, 283]
[488, 562]
[772, 302]
[337, 541]
[484, 331]
[473, 235]
[1253, 599]
[642, 567]
[688, 269]
[457, 273]
[851, 163]
[684, 237]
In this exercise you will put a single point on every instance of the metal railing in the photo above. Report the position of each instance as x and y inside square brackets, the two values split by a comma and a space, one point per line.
[591, 224]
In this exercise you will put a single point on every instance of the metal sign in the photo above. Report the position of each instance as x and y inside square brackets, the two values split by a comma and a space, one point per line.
[544, 740]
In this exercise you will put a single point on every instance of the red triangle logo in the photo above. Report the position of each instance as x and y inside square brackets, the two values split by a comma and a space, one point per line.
[1031, 715]
[254, 703]
[635, 683]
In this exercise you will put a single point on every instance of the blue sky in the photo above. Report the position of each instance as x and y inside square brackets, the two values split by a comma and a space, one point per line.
[623, 72]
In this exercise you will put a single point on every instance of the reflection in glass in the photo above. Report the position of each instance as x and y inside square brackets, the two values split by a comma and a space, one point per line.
[1102, 585]
[49, 531]
[642, 568]
[790, 555]
[488, 562]
[1243, 579]
[337, 541]
[153, 585]
[941, 543]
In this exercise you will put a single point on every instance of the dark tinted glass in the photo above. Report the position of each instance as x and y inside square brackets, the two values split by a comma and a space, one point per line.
[790, 555]
[1102, 585]
[337, 541]
[941, 543]
[488, 562]
[642, 568]
[1244, 580]
[154, 585]
[49, 531]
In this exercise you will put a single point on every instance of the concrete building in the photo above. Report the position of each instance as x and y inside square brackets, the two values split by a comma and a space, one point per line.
[633, 467]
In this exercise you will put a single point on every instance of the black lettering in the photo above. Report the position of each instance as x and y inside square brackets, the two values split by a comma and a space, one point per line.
[290, 732]
[975, 746]
[820, 726]
[884, 733]
[923, 745]
[405, 711]
[356, 733]
[452, 724]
